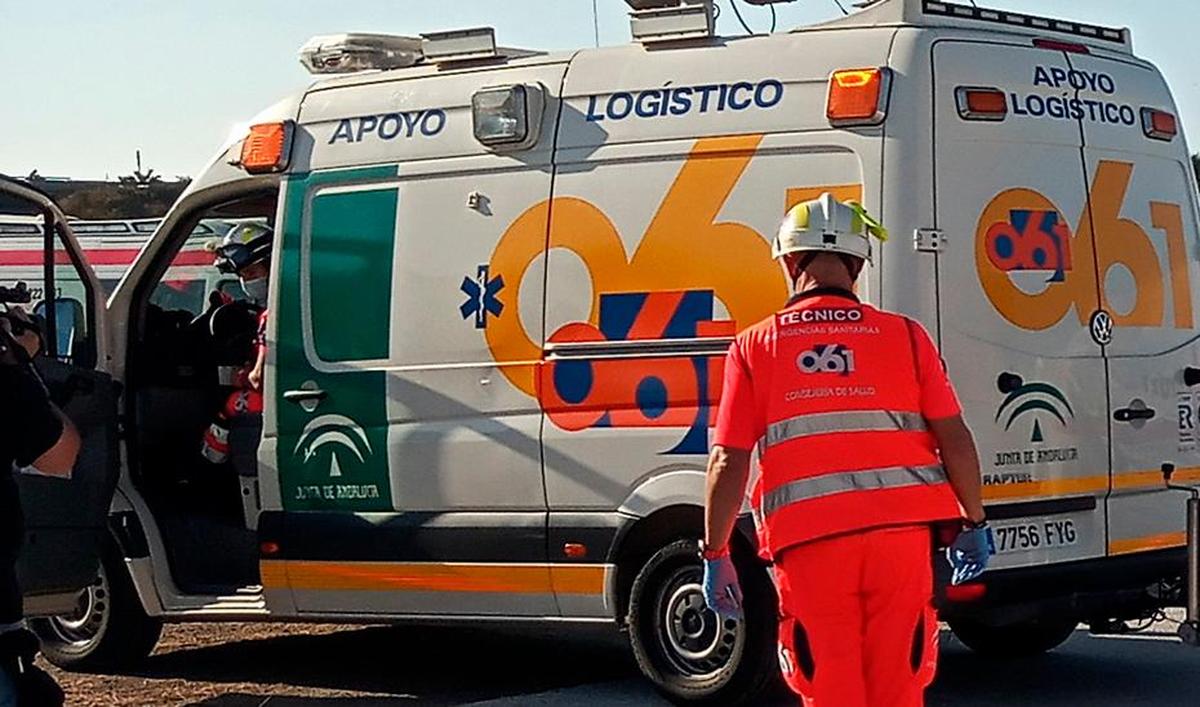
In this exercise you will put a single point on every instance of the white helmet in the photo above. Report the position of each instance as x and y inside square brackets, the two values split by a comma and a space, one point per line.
[829, 226]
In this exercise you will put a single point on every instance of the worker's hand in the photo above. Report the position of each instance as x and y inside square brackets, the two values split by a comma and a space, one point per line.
[969, 554]
[722, 593]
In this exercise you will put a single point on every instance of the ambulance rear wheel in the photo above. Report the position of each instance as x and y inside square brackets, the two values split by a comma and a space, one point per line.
[1019, 640]
[689, 654]
[108, 630]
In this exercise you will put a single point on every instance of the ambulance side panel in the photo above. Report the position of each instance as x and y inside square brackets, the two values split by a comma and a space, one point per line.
[411, 483]
[674, 170]
[1015, 298]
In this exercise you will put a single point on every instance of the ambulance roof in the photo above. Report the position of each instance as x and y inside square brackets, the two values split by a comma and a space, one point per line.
[880, 13]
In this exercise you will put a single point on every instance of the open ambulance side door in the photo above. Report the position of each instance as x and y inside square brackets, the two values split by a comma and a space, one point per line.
[65, 519]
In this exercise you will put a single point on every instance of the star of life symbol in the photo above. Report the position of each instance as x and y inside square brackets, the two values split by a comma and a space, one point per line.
[482, 297]
[338, 430]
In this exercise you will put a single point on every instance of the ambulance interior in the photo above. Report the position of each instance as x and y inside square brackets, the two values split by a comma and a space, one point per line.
[192, 330]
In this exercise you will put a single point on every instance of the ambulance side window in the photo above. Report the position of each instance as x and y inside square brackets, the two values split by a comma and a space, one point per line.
[73, 340]
[350, 255]
[183, 287]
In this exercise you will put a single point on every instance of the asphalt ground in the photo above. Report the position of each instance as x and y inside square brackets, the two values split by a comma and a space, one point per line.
[246, 665]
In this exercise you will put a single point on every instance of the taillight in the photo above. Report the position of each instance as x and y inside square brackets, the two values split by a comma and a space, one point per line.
[965, 593]
[1059, 45]
[858, 97]
[1159, 124]
[267, 147]
[981, 103]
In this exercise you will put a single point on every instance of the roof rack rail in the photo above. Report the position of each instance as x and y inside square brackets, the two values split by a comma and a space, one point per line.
[971, 12]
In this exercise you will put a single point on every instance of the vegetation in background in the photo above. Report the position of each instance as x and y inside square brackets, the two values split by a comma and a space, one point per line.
[109, 200]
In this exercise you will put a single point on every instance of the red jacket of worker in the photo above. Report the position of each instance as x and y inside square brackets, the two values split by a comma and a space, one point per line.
[835, 395]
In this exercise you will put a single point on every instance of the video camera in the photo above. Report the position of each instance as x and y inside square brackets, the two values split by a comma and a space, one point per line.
[18, 322]
[17, 294]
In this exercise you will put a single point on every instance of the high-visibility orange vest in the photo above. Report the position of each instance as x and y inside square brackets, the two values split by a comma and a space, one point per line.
[846, 447]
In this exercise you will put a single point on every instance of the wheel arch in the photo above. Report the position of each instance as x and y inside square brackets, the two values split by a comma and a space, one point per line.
[641, 537]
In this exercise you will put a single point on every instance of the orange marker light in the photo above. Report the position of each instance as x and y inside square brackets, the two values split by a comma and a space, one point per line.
[1159, 124]
[858, 97]
[268, 147]
[981, 103]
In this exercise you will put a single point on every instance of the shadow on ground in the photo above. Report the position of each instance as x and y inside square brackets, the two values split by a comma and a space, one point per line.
[456, 666]
[405, 664]
[1151, 669]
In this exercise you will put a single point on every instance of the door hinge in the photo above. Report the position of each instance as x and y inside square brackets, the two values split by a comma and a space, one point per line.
[928, 240]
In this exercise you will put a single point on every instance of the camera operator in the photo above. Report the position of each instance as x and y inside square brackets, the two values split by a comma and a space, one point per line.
[33, 433]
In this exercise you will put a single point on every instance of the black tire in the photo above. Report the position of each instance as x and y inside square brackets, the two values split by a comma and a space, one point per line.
[678, 645]
[1019, 640]
[109, 630]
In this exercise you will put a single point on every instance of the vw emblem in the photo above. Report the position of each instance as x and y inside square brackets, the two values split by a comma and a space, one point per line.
[1101, 327]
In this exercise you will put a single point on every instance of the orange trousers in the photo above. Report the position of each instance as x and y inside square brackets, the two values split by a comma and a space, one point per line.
[857, 625]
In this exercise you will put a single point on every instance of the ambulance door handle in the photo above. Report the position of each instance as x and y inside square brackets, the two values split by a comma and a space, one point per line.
[304, 396]
[1191, 376]
[1134, 414]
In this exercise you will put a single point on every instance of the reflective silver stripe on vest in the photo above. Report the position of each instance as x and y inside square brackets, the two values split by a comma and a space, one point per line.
[840, 482]
[820, 423]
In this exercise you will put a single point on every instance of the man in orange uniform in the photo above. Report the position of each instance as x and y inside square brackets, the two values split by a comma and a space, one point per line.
[862, 447]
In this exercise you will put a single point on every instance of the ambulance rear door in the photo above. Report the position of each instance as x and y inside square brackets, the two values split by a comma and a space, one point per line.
[1143, 222]
[1015, 293]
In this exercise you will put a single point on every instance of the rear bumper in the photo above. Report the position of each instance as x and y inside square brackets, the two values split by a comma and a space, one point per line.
[1104, 588]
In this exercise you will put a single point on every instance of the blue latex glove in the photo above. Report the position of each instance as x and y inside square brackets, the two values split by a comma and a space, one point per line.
[969, 554]
[722, 593]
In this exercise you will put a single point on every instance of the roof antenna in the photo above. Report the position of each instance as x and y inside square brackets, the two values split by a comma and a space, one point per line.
[841, 6]
[741, 20]
[596, 23]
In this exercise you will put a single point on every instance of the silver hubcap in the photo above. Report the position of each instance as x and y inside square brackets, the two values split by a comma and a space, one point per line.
[694, 639]
[82, 626]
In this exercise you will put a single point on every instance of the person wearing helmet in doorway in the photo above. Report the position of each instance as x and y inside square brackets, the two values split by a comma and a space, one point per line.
[861, 450]
[246, 252]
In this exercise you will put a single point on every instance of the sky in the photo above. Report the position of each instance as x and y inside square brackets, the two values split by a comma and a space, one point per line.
[88, 82]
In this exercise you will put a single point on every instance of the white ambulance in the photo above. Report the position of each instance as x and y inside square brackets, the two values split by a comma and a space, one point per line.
[503, 283]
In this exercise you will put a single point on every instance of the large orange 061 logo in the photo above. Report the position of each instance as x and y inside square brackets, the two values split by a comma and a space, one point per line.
[668, 287]
[1022, 230]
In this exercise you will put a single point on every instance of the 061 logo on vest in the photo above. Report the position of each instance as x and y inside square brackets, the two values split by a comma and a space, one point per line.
[826, 358]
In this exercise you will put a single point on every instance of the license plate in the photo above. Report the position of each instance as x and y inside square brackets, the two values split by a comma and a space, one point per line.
[1034, 534]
